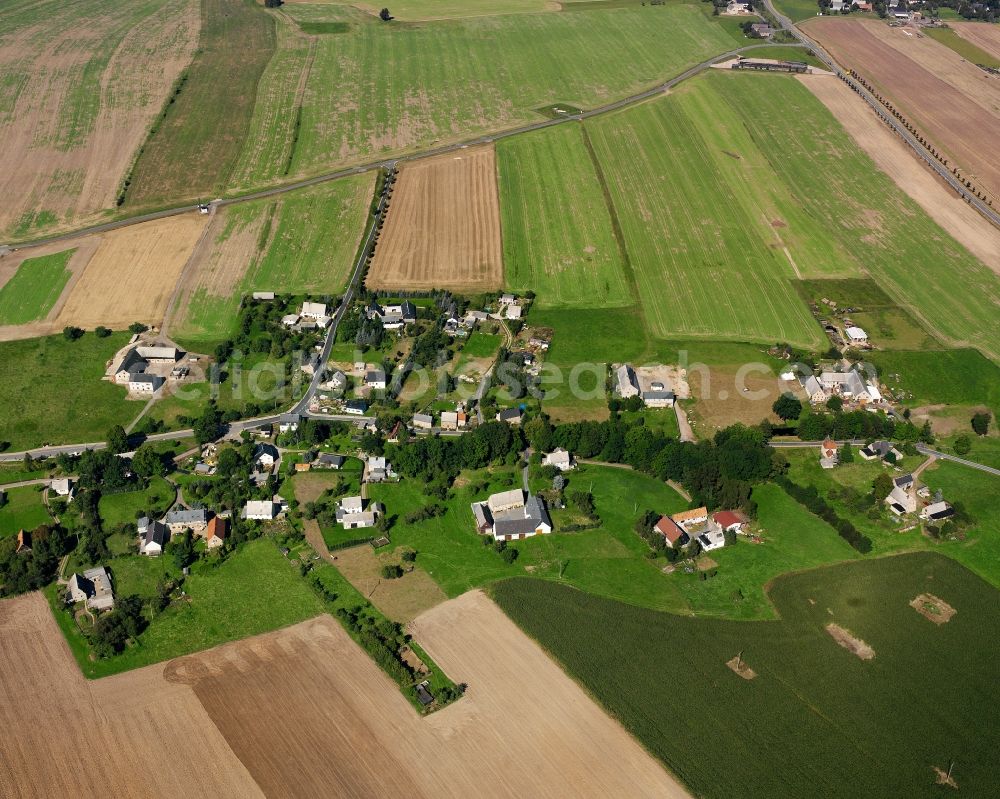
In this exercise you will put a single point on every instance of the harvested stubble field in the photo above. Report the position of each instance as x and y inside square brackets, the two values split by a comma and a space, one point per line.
[801, 726]
[335, 724]
[443, 226]
[80, 84]
[132, 274]
[951, 101]
[399, 86]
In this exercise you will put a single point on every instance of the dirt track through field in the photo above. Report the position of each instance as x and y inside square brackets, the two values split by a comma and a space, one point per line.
[952, 102]
[304, 711]
[897, 160]
[443, 226]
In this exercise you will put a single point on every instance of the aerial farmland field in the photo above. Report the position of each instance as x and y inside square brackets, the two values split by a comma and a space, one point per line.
[778, 730]
[32, 291]
[80, 84]
[568, 257]
[296, 243]
[487, 73]
[951, 101]
[443, 226]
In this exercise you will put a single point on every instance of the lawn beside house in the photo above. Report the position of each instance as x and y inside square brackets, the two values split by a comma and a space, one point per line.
[23, 509]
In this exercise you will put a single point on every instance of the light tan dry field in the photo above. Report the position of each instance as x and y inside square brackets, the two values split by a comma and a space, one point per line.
[303, 711]
[55, 158]
[954, 103]
[985, 37]
[908, 172]
[443, 226]
[133, 273]
[401, 599]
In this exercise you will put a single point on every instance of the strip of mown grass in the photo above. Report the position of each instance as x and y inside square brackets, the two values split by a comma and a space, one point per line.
[22, 509]
[195, 144]
[52, 391]
[804, 725]
[970, 52]
[30, 294]
[568, 257]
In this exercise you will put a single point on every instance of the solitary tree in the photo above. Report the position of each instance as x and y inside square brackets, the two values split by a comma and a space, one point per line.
[835, 404]
[962, 445]
[117, 439]
[981, 423]
[787, 407]
[71, 333]
[384, 15]
[882, 486]
[137, 327]
[102, 332]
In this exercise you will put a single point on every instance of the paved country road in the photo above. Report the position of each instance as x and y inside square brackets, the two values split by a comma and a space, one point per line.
[383, 163]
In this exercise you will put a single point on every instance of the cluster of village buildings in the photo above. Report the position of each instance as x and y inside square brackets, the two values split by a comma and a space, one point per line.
[709, 530]
[657, 395]
[143, 368]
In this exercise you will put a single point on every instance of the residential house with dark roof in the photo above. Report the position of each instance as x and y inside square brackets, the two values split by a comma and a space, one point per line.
[512, 515]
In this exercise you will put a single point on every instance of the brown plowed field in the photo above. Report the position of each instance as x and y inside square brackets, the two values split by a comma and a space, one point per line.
[985, 37]
[135, 735]
[897, 160]
[304, 711]
[443, 226]
[85, 83]
[952, 102]
[133, 273]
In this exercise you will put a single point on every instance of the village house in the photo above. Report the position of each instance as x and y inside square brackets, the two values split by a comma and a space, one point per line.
[194, 520]
[729, 521]
[355, 512]
[761, 30]
[144, 384]
[327, 460]
[355, 407]
[510, 415]
[712, 539]
[561, 459]
[828, 454]
[288, 423]
[158, 355]
[883, 450]
[154, 537]
[378, 470]
[423, 421]
[215, 533]
[263, 295]
[902, 499]
[92, 587]
[62, 487]
[511, 516]
[313, 310]
[375, 379]
[261, 509]
[673, 533]
[691, 519]
[627, 383]
[290, 320]
[265, 456]
[658, 396]
[336, 381]
[453, 420]
[936, 512]
[396, 317]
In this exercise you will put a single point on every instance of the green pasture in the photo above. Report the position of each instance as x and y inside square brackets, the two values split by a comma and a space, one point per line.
[36, 285]
[391, 96]
[125, 508]
[952, 377]
[22, 509]
[567, 254]
[803, 726]
[697, 206]
[254, 591]
[195, 145]
[52, 391]
[797, 10]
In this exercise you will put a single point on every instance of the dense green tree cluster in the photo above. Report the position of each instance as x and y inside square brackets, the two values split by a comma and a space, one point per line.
[30, 570]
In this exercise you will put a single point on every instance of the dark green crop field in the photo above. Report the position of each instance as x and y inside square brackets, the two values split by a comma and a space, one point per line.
[817, 720]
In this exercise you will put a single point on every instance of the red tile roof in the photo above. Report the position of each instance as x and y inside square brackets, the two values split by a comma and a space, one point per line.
[726, 518]
[669, 529]
[216, 529]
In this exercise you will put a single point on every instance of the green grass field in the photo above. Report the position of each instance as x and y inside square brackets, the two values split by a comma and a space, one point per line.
[254, 591]
[30, 294]
[805, 725]
[953, 377]
[963, 47]
[442, 9]
[797, 10]
[481, 345]
[23, 509]
[306, 243]
[696, 204]
[570, 258]
[487, 73]
[53, 391]
[195, 147]
[117, 509]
